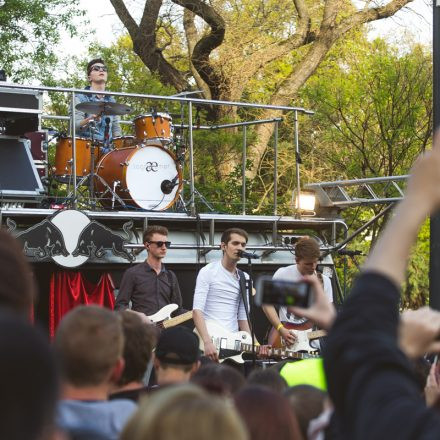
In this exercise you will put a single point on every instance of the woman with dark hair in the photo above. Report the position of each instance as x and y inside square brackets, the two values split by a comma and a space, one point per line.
[267, 414]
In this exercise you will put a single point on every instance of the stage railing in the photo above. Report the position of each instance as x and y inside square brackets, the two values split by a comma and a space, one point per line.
[190, 102]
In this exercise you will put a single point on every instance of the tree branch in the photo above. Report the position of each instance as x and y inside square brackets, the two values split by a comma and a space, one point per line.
[204, 47]
[371, 14]
[125, 17]
[145, 42]
[191, 40]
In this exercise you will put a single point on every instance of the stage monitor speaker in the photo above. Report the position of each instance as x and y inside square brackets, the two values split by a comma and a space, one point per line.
[19, 178]
[20, 110]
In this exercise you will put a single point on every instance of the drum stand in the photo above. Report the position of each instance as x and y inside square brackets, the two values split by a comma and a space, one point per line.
[92, 175]
[199, 195]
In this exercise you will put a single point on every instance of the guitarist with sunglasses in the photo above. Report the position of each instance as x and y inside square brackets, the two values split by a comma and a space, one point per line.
[307, 255]
[150, 286]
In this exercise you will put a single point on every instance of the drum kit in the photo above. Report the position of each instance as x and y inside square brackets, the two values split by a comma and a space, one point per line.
[139, 172]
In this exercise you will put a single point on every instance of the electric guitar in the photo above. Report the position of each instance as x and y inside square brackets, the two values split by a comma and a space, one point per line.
[303, 337]
[163, 319]
[232, 346]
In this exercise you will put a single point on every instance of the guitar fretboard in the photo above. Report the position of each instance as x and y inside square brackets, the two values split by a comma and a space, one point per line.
[280, 352]
[177, 320]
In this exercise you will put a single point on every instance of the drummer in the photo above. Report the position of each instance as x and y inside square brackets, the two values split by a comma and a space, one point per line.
[106, 127]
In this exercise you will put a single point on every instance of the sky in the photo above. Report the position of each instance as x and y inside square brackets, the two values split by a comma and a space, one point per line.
[415, 19]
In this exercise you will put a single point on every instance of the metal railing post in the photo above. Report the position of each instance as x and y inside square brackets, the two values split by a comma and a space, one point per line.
[275, 170]
[244, 159]
[191, 160]
[73, 133]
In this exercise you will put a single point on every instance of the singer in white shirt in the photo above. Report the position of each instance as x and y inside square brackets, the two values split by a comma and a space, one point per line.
[217, 296]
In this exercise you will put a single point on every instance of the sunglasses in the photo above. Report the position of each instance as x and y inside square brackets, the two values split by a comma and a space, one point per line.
[161, 243]
[99, 68]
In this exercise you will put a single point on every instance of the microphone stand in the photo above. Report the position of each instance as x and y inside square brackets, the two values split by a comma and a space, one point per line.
[251, 311]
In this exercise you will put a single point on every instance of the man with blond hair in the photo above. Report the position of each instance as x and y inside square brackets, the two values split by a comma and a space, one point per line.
[307, 254]
[89, 347]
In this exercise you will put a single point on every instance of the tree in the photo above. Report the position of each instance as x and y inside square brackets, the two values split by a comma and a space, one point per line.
[30, 30]
[373, 105]
[231, 43]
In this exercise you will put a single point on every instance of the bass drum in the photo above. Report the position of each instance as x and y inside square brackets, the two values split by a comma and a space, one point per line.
[143, 177]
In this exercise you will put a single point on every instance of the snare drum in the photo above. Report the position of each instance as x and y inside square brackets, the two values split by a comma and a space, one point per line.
[63, 158]
[124, 142]
[154, 127]
[137, 176]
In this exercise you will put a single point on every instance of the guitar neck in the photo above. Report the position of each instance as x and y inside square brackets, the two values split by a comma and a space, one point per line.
[316, 334]
[278, 352]
[177, 320]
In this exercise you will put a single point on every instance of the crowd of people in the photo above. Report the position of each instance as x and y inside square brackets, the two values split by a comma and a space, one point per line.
[115, 375]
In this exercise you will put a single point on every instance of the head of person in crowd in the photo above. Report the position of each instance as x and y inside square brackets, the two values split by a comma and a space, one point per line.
[185, 412]
[267, 414]
[28, 380]
[139, 341]
[233, 240]
[155, 239]
[268, 378]
[219, 379]
[97, 71]
[89, 347]
[176, 357]
[307, 403]
[307, 254]
[17, 287]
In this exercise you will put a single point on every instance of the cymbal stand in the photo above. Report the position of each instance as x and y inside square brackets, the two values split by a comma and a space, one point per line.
[92, 166]
[92, 176]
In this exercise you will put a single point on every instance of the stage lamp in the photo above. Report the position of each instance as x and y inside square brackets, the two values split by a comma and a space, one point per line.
[306, 201]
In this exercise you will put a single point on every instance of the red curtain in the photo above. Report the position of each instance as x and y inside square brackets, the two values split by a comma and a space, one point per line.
[69, 289]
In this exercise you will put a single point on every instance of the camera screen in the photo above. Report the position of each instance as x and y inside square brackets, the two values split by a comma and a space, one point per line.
[288, 293]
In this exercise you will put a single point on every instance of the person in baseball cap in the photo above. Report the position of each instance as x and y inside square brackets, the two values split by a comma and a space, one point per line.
[176, 356]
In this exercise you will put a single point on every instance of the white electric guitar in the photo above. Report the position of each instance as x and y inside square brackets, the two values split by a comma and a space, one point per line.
[303, 338]
[162, 318]
[231, 345]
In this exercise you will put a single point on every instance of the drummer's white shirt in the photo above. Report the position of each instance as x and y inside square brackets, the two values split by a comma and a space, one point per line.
[291, 273]
[218, 296]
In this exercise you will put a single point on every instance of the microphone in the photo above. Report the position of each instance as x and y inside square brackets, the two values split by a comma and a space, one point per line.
[167, 185]
[244, 254]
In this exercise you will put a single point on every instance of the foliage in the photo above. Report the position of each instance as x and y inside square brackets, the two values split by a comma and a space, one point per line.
[374, 116]
[30, 29]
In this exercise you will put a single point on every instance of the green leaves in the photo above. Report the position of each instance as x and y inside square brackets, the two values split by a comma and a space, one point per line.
[30, 29]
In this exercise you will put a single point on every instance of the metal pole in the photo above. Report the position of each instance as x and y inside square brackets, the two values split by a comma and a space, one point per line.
[73, 133]
[434, 260]
[159, 98]
[191, 159]
[275, 170]
[297, 163]
[243, 185]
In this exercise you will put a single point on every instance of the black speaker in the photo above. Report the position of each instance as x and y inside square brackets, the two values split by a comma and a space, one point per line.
[20, 110]
[19, 178]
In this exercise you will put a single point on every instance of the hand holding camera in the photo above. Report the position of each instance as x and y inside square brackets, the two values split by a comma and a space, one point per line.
[305, 298]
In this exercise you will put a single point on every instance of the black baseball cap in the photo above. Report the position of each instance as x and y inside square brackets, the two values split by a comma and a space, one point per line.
[178, 345]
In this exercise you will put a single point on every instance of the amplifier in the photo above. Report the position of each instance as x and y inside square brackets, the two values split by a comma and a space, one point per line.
[20, 110]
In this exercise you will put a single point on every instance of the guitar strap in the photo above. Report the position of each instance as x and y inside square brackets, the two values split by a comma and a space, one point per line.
[244, 295]
[170, 282]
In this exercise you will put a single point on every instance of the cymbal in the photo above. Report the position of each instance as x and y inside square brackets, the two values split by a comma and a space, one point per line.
[105, 107]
